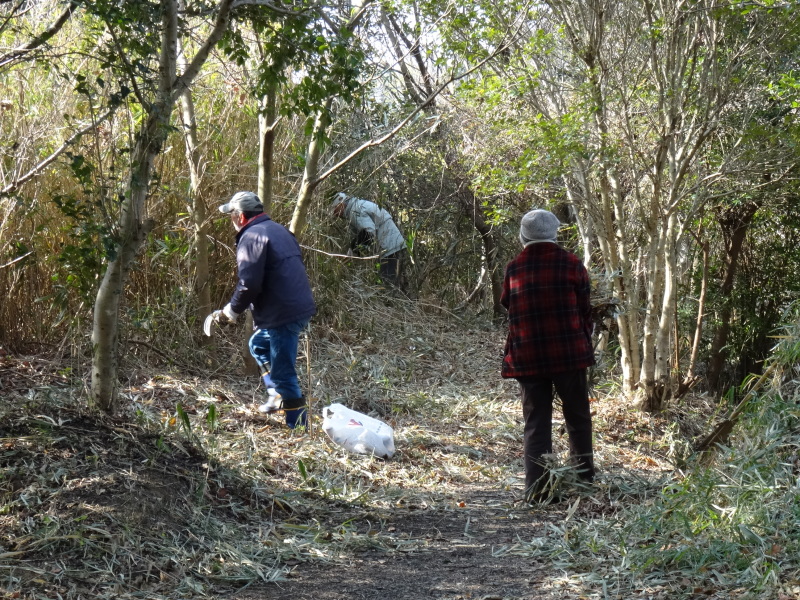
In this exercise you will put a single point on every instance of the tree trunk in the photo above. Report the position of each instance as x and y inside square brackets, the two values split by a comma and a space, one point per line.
[654, 256]
[267, 126]
[614, 213]
[310, 174]
[611, 234]
[641, 185]
[197, 206]
[585, 230]
[311, 177]
[734, 223]
[655, 385]
[701, 313]
[133, 230]
[133, 227]
[473, 209]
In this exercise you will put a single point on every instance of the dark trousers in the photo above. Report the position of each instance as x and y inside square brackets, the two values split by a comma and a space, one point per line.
[537, 409]
[390, 269]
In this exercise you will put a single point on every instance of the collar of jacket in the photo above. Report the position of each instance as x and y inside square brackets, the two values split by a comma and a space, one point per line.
[253, 221]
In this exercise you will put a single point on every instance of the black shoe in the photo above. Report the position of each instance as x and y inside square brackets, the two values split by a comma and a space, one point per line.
[296, 412]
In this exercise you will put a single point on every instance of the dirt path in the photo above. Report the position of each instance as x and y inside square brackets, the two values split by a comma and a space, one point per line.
[440, 554]
[198, 506]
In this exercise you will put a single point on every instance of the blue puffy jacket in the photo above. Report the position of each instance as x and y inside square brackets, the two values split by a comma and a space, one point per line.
[272, 278]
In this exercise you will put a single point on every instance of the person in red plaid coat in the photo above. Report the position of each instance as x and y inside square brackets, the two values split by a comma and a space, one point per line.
[546, 292]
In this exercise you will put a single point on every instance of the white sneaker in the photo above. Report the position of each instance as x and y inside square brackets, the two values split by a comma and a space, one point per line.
[274, 404]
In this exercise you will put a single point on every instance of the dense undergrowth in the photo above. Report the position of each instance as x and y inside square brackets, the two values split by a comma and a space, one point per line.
[727, 525]
[191, 493]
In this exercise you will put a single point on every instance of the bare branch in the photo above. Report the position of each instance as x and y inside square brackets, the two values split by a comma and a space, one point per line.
[333, 255]
[414, 50]
[128, 68]
[269, 5]
[13, 187]
[19, 258]
[397, 128]
[390, 26]
[220, 25]
[41, 38]
[316, 8]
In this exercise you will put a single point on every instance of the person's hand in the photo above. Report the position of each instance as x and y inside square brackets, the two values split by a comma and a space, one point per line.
[224, 315]
[217, 317]
[227, 314]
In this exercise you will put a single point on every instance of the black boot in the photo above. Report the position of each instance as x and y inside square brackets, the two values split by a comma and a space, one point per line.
[296, 411]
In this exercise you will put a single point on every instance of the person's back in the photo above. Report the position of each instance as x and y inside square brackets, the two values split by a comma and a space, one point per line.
[364, 215]
[373, 230]
[272, 275]
[274, 285]
[546, 292]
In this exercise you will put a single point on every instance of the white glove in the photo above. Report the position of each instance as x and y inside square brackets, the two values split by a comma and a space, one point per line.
[224, 315]
[228, 313]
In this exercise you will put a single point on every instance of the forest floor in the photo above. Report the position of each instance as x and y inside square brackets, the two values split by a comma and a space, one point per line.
[190, 492]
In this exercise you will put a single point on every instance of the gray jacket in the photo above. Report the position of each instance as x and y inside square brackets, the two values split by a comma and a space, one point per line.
[272, 278]
[363, 215]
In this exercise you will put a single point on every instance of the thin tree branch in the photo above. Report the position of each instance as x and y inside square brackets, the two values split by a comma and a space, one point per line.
[333, 255]
[414, 49]
[19, 258]
[220, 25]
[271, 6]
[12, 13]
[316, 7]
[123, 56]
[13, 187]
[389, 26]
[395, 130]
[41, 38]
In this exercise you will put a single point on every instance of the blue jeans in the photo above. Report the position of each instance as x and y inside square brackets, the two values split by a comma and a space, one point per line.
[275, 350]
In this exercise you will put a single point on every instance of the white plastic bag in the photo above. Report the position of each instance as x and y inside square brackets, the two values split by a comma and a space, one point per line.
[358, 432]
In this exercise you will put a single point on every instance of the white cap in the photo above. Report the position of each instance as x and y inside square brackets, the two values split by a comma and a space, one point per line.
[339, 198]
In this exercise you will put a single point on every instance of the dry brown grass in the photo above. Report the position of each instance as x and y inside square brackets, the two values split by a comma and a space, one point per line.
[192, 492]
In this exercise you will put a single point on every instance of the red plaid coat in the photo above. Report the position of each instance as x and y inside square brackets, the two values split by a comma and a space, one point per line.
[546, 292]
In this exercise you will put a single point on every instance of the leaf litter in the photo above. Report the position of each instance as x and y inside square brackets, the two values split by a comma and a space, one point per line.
[191, 493]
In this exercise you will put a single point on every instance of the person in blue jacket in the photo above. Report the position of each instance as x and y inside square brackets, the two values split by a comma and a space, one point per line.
[274, 285]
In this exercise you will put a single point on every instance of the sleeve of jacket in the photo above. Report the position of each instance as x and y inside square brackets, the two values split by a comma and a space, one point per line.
[505, 296]
[251, 258]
